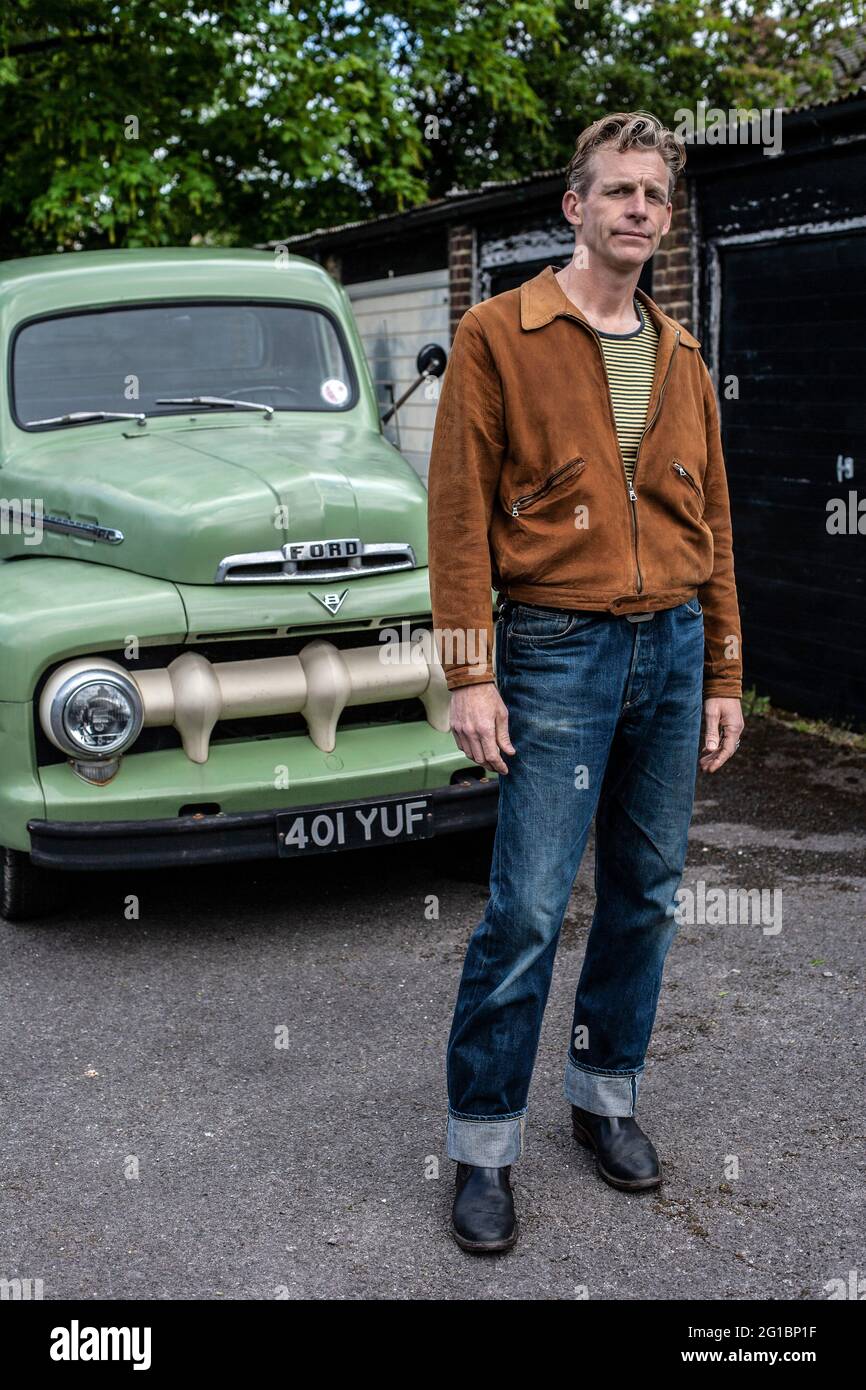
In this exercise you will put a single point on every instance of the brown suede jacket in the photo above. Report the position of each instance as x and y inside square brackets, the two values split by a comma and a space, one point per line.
[528, 493]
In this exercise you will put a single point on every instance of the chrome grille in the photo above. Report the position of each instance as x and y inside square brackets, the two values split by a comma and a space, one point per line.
[314, 561]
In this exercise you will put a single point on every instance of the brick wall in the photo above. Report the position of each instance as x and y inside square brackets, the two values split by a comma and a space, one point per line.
[461, 273]
[673, 287]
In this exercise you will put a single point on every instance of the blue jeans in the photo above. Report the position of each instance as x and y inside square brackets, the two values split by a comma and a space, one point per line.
[605, 715]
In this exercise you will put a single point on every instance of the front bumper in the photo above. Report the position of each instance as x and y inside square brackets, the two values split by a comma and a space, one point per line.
[205, 839]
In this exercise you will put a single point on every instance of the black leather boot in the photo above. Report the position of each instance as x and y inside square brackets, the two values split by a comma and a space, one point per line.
[625, 1157]
[483, 1217]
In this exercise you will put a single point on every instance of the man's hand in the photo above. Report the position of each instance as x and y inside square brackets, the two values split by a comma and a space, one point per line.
[479, 723]
[723, 724]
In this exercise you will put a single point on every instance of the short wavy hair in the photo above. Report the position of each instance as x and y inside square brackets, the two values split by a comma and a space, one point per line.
[624, 130]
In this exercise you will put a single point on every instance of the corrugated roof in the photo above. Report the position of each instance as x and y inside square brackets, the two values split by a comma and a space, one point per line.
[848, 61]
[452, 197]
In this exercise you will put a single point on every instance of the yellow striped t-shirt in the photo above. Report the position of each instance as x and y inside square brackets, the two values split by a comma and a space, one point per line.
[630, 359]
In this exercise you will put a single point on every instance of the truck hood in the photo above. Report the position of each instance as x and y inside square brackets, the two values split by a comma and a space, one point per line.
[186, 495]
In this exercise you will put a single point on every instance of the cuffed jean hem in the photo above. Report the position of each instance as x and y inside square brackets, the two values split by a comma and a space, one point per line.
[485, 1142]
[602, 1093]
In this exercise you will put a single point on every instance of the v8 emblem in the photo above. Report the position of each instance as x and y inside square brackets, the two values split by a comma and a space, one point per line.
[330, 601]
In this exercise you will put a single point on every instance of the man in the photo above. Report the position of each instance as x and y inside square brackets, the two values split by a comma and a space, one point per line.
[577, 469]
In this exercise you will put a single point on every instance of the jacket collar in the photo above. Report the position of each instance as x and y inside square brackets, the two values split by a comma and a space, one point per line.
[542, 299]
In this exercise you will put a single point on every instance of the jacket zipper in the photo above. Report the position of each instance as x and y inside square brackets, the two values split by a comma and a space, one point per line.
[647, 426]
[684, 473]
[632, 495]
[548, 483]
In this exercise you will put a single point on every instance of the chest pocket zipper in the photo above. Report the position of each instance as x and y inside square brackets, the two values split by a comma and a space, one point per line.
[558, 476]
[684, 473]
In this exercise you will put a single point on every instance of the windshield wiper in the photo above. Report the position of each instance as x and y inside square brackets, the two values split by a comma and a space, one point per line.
[214, 400]
[78, 416]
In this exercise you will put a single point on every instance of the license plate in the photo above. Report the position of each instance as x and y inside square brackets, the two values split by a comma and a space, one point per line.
[354, 826]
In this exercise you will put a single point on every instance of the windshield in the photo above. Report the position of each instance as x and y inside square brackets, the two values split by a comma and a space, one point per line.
[290, 357]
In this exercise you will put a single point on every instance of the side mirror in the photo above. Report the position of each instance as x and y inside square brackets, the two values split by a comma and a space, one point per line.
[431, 361]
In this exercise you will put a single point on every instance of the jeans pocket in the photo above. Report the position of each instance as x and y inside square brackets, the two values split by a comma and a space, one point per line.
[693, 606]
[539, 625]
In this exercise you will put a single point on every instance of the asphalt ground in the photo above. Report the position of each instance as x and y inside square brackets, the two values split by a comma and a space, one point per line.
[240, 1094]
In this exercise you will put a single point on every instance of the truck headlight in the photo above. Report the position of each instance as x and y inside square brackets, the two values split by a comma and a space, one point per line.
[92, 712]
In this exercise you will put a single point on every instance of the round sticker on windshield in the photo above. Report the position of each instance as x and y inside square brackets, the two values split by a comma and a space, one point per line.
[335, 391]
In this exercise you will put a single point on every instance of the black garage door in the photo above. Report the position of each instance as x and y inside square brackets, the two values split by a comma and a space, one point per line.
[792, 333]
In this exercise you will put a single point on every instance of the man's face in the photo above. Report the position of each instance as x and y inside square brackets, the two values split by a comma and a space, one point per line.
[626, 212]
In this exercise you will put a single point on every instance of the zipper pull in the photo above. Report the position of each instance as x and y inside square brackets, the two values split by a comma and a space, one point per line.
[514, 509]
[631, 492]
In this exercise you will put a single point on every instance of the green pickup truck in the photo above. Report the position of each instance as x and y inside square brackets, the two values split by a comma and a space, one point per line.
[215, 628]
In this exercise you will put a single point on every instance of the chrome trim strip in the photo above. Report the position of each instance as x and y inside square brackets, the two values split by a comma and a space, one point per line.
[63, 526]
[90, 530]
